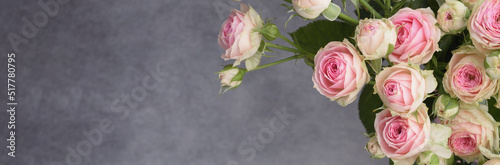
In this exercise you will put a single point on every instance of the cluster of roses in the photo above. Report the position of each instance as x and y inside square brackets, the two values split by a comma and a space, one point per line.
[404, 131]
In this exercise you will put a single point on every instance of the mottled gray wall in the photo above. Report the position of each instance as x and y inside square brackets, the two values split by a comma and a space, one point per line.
[72, 75]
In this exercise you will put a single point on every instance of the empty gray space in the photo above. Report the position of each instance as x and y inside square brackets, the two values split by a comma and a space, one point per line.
[94, 52]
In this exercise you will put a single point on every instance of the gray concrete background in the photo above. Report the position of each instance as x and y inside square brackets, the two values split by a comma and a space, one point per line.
[73, 73]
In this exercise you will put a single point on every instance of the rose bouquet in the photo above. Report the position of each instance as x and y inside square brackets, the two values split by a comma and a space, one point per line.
[426, 71]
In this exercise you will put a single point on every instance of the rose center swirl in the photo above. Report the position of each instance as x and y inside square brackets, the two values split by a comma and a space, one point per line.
[334, 68]
[397, 131]
[468, 77]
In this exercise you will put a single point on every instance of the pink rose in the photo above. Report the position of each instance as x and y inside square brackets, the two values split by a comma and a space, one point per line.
[237, 36]
[340, 72]
[402, 139]
[472, 128]
[466, 77]
[484, 25]
[403, 88]
[418, 36]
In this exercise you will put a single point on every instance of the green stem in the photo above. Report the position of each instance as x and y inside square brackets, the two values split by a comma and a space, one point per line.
[287, 40]
[284, 48]
[388, 5]
[279, 62]
[370, 8]
[348, 19]
[379, 2]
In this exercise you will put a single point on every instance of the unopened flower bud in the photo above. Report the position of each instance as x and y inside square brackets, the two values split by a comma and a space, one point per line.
[231, 77]
[446, 107]
[270, 31]
[452, 16]
[374, 148]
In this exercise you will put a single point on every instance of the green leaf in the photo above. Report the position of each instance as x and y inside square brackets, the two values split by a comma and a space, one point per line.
[368, 102]
[317, 34]
[289, 1]
[494, 111]
[433, 4]
[416, 4]
[447, 44]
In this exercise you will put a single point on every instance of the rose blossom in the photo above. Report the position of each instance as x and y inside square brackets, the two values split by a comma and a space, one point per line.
[418, 36]
[484, 25]
[339, 72]
[402, 139]
[237, 36]
[403, 88]
[466, 77]
[473, 128]
[451, 16]
[374, 37]
[310, 9]
[231, 77]
[374, 148]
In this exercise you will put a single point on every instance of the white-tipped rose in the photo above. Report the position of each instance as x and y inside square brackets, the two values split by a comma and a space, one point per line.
[452, 16]
[473, 130]
[466, 77]
[483, 25]
[339, 72]
[375, 38]
[446, 107]
[231, 77]
[492, 65]
[239, 38]
[310, 9]
[374, 148]
[402, 87]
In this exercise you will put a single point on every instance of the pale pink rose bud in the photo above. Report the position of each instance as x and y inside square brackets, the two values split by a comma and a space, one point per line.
[492, 65]
[418, 36]
[445, 107]
[484, 25]
[492, 162]
[310, 9]
[452, 16]
[402, 139]
[471, 129]
[466, 77]
[339, 72]
[374, 148]
[403, 88]
[231, 77]
[237, 36]
[375, 38]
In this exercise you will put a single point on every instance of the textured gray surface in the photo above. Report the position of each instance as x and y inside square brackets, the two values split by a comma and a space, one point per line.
[93, 52]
